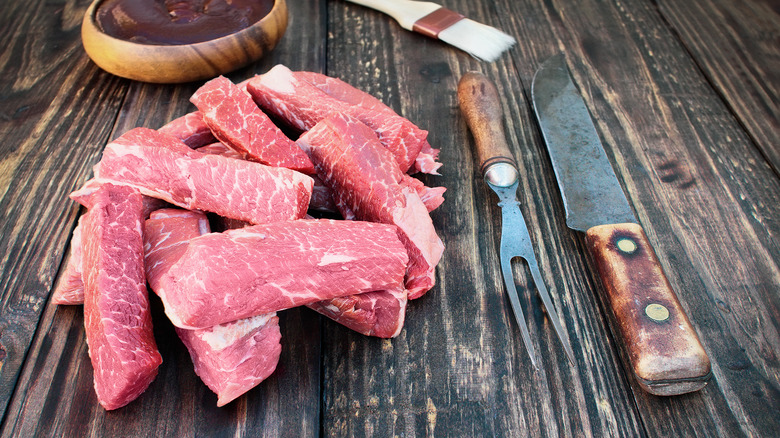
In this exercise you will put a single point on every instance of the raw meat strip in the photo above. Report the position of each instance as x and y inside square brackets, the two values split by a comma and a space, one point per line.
[230, 358]
[117, 320]
[167, 233]
[338, 89]
[236, 120]
[362, 175]
[378, 313]
[260, 269]
[235, 357]
[432, 197]
[321, 200]
[427, 161]
[190, 129]
[219, 148]
[84, 197]
[302, 105]
[344, 92]
[70, 290]
[162, 167]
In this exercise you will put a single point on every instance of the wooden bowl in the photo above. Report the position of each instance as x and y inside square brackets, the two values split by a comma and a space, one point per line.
[186, 62]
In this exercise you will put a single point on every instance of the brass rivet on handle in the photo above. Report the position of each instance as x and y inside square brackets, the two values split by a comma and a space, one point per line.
[626, 245]
[657, 312]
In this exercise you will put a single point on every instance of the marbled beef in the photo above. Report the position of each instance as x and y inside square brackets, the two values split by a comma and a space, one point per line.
[230, 358]
[363, 176]
[237, 122]
[162, 167]
[117, 320]
[223, 277]
[190, 129]
[426, 161]
[302, 105]
[378, 313]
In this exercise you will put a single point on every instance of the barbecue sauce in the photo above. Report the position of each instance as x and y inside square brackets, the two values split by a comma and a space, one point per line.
[174, 22]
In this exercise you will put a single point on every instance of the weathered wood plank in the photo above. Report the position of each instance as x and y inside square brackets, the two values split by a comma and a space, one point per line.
[50, 133]
[460, 368]
[697, 183]
[687, 144]
[58, 381]
[735, 44]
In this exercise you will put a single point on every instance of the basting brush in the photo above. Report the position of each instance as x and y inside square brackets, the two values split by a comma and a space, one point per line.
[480, 41]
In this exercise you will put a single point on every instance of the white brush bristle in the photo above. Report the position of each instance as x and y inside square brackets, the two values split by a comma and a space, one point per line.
[478, 40]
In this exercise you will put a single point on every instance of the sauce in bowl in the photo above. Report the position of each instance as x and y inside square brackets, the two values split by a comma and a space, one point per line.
[176, 22]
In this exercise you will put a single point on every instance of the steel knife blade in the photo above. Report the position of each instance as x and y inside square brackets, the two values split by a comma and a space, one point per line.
[661, 345]
[478, 99]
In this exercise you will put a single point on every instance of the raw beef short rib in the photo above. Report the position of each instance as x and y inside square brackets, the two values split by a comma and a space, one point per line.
[426, 161]
[230, 358]
[162, 167]
[190, 129]
[302, 105]
[260, 269]
[363, 176]
[117, 320]
[236, 120]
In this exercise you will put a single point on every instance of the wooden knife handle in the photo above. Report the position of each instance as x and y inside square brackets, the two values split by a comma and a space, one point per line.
[479, 102]
[665, 353]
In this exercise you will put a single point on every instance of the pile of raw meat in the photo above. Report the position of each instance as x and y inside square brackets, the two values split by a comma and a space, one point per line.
[211, 212]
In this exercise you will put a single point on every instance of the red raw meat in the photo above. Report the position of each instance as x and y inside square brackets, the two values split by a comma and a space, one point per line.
[70, 290]
[432, 197]
[219, 148]
[190, 129]
[363, 176]
[338, 89]
[230, 358]
[378, 313]
[236, 120]
[321, 199]
[302, 105]
[116, 308]
[260, 269]
[162, 167]
[235, 357]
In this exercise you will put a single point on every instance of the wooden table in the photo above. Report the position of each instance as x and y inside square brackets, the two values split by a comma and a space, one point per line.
[685, 95]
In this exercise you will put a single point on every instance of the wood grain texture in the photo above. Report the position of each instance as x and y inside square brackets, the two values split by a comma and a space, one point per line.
[737, 50]
[480, 383]
[46, 113]
[689, 138]
[479, 102]
[695, 181]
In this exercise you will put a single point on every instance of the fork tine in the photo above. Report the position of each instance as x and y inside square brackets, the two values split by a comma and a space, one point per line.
[514, 299]
[551, 313]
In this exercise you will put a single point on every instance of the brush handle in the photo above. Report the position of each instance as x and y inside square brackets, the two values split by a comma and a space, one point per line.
[405, 12]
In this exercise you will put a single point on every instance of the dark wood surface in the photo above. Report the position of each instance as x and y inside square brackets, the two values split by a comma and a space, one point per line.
[685, 96]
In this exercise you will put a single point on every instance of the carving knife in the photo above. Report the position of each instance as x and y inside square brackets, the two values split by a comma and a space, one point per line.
[664, 351]
[480, 105]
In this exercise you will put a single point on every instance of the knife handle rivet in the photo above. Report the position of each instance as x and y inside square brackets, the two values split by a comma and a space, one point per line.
[626, 245]
[657, 312]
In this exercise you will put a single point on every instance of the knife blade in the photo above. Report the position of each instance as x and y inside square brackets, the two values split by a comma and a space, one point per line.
[480, 105]
[662, 347]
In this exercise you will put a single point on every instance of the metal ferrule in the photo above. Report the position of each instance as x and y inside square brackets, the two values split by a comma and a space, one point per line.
[501, 174]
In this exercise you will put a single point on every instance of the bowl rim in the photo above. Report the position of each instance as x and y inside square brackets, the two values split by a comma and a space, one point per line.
[91, 12]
